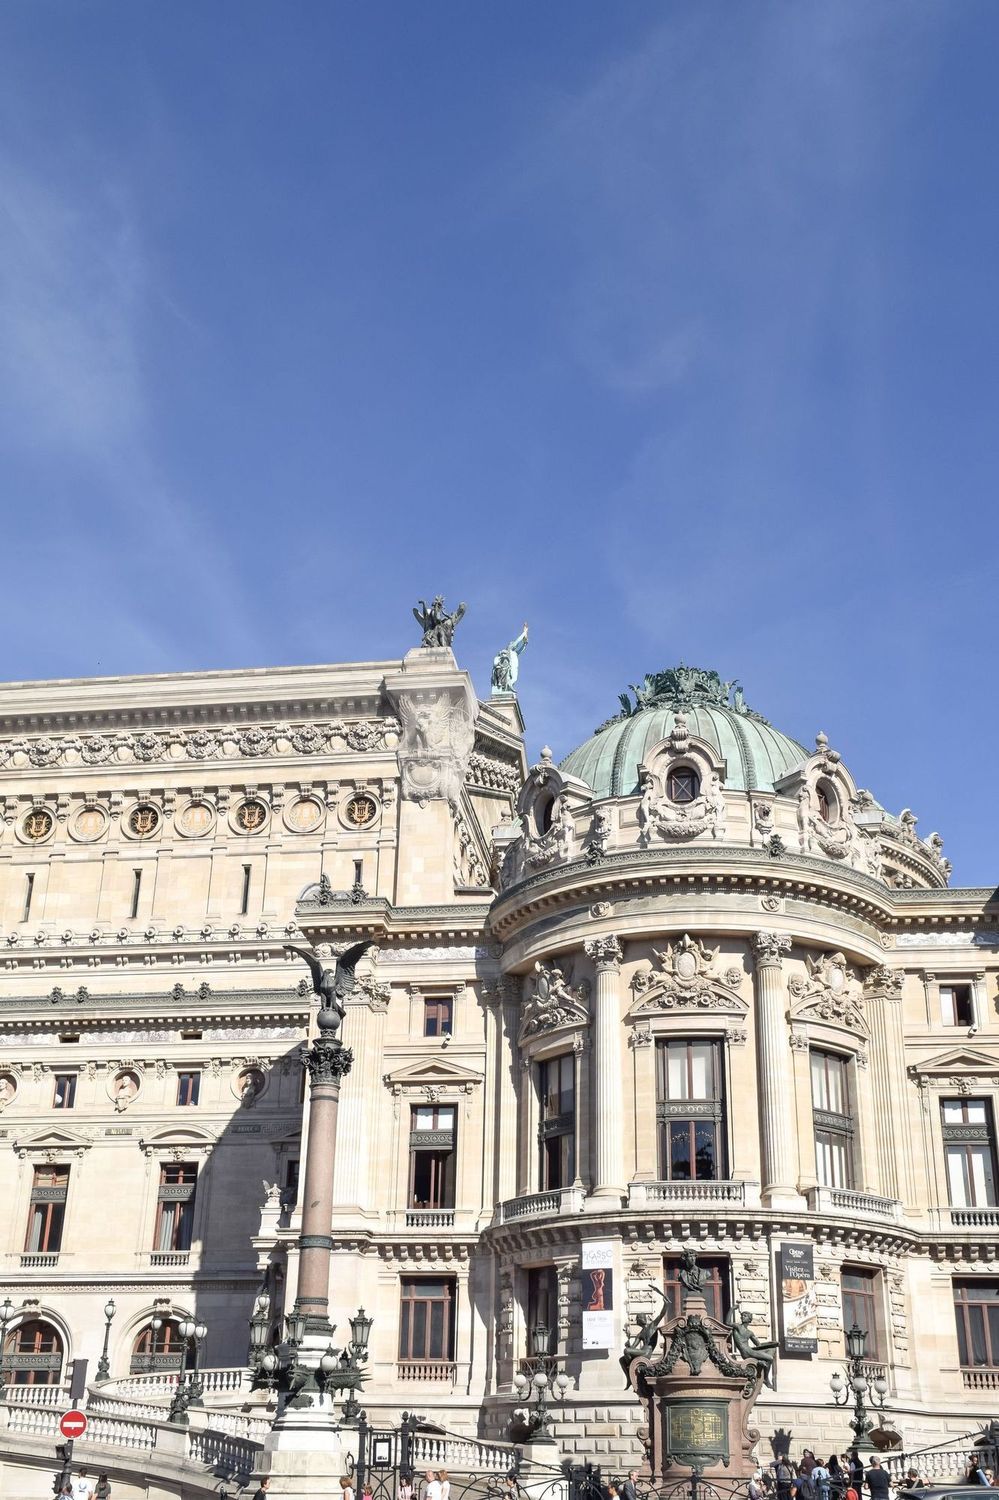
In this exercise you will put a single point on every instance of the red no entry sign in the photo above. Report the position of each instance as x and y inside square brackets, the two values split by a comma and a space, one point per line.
[72, 1424]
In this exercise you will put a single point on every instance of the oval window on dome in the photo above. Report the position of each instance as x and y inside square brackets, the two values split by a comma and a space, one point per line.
[683, 784]
[544, 812]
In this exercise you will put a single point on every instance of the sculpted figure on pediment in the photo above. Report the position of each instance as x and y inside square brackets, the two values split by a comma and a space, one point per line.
[685, 976]
[554, 1002]
[830, 991]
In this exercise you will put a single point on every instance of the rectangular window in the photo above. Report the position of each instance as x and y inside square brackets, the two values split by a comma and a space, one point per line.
[175, 1206]
[188, 1088]
[976, 1307]
[690, 1111]
[860, 1297]
[64, 1092]
[542, 1306]
[29, 887]
[47, 1210]
[969, 1151]
[426, 1320]
[956, 1007]
[832, 1119]
[437, 1017]
[716, 1288]
[136, 888]
[432, 1156]
[557, 1125]
[244, 904]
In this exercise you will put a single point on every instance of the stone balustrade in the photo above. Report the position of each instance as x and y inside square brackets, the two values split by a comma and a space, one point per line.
[724, 1193]
[557, 1202]
[974, 1218]
[430, 1218]
[40, 1395]
[461, 1455]
[980, 1380]
[845, 1202]
[439, 1372]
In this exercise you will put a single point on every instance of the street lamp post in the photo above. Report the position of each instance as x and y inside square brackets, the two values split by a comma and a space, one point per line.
[103, 1364]
[538, 1384]
[7, 1314]
[284, 1369]
[857, 1387]
[190, 1387]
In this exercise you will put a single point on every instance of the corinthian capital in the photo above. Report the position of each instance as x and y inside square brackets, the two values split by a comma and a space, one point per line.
[770, 947]
[881, 980]
[327, 1061]
[604, 953]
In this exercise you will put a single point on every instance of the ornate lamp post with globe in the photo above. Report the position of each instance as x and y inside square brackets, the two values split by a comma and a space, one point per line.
[104, 1364]
[858, 1387]
[539, 1384]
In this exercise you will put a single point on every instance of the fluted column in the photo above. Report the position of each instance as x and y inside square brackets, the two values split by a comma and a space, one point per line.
[883, 996]
[776, 1078]
[608, 1163]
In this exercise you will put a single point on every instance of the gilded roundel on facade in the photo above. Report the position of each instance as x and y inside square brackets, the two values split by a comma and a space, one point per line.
[38, 825]
[195, 820]
[359, 811]
[88, 825]
[143, 820]
[251, 815]
[304, 815]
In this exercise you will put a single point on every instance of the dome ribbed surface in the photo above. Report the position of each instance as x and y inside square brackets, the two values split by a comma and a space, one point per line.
[756, 755]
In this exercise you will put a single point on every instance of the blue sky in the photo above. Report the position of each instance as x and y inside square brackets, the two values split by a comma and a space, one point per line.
[671, 328]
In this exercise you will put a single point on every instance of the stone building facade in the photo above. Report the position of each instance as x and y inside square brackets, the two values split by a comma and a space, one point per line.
[691, 986]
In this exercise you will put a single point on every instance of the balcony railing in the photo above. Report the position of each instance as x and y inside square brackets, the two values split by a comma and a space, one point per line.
[980, 1380]
[723, 1193]
[436, 1371]
[169, 1257]
[39, 1260]
[975, 1218]
[430, 1218]
[556, 1202]
[846, 1203]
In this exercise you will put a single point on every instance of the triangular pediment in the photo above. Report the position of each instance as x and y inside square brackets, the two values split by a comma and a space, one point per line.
[957, 1060]
[53, 1138]
[435, 1072]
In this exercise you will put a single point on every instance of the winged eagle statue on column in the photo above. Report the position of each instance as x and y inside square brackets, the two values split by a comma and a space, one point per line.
[332, 985]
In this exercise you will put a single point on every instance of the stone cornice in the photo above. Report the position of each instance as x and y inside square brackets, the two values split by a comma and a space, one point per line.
[728, 867]
[286, 1005]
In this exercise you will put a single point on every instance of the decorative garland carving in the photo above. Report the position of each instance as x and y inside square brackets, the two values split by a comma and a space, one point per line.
[685, 978]
[830, 993]
[554, 1002]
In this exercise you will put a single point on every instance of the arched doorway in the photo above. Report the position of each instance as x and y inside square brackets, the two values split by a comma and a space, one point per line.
[33, 1354]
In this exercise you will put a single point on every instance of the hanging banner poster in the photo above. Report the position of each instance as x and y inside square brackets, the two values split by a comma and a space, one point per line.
[597, 1288]
[799, 1311]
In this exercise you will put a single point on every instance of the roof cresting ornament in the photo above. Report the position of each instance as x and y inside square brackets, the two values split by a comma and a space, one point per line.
[684, 687]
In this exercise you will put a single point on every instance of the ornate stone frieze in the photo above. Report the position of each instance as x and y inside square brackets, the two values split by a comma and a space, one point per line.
[883, 980]
[437, 738]
[493, 774]
[830, 992]
[554, 1002]
[604, 952]
[685, 977]
[148, 746]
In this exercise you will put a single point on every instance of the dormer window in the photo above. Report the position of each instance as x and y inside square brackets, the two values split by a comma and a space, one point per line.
[683, 784]
[826, 799]
[544, 812]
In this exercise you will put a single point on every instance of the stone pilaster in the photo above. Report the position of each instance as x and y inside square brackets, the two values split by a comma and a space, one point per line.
[608, 1166]
[776, 1079]
[888, 1094]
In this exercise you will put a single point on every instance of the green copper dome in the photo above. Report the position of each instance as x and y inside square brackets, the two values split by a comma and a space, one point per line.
[756, 754]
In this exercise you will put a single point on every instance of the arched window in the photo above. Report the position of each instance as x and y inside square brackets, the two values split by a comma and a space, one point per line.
[683, 784]
[159, 1346]
[544, 811]
[33, 1354]
[828, 804]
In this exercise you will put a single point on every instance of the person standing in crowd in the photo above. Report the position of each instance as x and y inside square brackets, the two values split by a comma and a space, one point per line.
[82, 1488]
[445, 1484]
[405, 1490]
[822, 1479]
[856, 1464]
[260, 1493]
[347, 1488]
[878, 1481]
[808, 1462]
[783, 1476]
[913, 1481]
[754, 1489]
[976, 1474]
[628, 1489]
[837, 1478]
[102, 1489]
[432, 1487]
